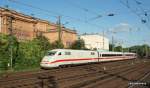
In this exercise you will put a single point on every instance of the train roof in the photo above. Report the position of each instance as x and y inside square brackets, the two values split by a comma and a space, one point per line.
[113, 52]
[101, 51]
[69, 50]
[109, 52]
[129, 53]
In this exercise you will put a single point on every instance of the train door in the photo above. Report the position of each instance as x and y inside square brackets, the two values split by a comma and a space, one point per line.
[99, 55]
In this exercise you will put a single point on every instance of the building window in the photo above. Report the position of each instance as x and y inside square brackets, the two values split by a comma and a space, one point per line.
[68, 44]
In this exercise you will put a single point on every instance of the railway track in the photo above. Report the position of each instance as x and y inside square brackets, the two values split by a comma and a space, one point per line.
[102, 77]
[97, 75]
[116, 80]
[24, 75]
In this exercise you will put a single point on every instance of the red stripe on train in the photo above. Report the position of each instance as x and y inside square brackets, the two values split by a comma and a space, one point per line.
[79, 59]
[66, 60]
[73, 60]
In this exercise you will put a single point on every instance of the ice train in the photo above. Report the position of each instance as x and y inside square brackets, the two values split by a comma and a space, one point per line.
[58, 57]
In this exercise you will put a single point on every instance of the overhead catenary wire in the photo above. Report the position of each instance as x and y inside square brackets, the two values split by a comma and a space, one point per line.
[43, 10]
[134, 11]
[145, 13]
[82, 8]
[97, 15]
[55, 14]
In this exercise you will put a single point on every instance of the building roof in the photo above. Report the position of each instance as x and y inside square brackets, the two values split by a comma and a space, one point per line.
[34, 19]
[21, 14]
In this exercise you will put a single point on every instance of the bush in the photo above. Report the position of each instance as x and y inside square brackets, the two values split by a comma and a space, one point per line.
[78, 44]
[3, 65]
[32, 52]
[57, 45]
[26, 55]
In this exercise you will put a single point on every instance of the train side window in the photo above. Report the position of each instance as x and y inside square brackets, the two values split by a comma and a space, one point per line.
[119, 54]
[107, 55]
[67, 53]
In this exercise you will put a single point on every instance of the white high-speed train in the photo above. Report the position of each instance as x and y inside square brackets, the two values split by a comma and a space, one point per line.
[57, 57]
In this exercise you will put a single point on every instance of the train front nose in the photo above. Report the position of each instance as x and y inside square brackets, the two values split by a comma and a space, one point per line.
[45, 62]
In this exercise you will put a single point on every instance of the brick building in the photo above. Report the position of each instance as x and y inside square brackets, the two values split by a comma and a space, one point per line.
[26, 27]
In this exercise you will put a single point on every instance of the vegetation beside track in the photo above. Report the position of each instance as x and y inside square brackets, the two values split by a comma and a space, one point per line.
[26, 55]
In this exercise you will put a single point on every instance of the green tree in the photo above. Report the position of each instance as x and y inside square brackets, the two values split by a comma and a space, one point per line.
[118, 48]
[31, 52]
[57, 45]
[15, 49]
[4, 52]
[141, 50]
[29, 55]
[127, 49]
[43, 42]
[111, 47]
[8, 44]
[78, 44]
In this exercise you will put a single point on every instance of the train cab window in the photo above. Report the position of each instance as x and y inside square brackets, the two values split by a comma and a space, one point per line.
[67, 53]
[59, 53]
[51, 53]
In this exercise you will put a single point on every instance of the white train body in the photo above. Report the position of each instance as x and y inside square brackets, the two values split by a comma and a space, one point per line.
[57, 57]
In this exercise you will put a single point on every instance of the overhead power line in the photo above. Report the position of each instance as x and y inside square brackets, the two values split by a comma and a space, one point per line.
[144, 21]
[55, 14]
[145, 12]
[97, 15]
[82, 8]
[31, 6]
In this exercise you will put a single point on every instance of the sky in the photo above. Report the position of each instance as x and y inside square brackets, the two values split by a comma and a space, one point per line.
[128, 21]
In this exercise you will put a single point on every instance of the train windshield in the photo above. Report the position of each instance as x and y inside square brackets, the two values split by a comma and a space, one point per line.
[51, 53]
